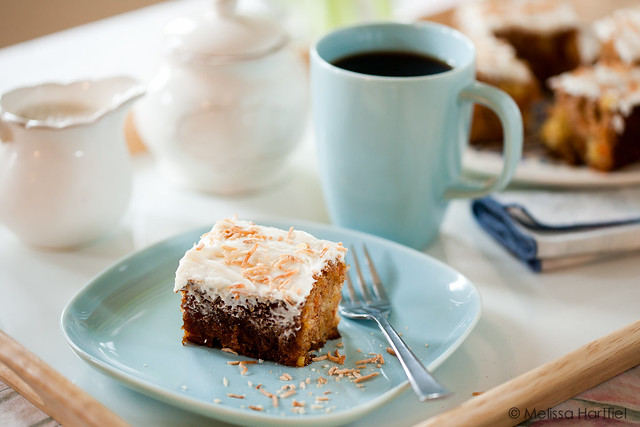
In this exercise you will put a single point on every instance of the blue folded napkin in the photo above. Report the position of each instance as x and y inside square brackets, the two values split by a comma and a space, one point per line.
[549, 230]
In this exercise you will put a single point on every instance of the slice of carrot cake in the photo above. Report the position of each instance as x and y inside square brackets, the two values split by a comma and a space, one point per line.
[595, 119]
[260, 291]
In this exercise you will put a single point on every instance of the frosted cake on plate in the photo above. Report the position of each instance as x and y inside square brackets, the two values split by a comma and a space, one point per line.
[595, 118]
[260, 291]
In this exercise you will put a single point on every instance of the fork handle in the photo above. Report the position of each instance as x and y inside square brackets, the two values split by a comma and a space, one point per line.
[423, 383]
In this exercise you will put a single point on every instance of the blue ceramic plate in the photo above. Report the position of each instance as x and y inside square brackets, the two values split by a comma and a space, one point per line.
[126, 322]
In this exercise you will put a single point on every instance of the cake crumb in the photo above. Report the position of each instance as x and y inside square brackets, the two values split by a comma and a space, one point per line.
[286, 377]
[298, 404]
[391, 351]
[225, 381]
[216, 400]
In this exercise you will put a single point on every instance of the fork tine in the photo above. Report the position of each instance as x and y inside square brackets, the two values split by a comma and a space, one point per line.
[350, 289]
[364, 291]
[378, 287]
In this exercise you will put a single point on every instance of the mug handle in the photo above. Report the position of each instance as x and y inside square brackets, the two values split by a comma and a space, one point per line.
[511, 120]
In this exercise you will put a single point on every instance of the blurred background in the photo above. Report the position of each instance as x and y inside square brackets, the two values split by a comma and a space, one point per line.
[22, 20]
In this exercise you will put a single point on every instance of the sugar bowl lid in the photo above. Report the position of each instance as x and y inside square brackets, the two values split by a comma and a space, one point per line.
[221, 33]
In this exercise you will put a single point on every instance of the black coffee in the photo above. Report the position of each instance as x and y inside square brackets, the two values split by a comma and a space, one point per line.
[392, 64]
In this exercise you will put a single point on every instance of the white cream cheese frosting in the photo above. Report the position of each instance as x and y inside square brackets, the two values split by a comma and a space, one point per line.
[617, 88]
[497, 59]
[543, 16]
[244, 263]
[622, 28]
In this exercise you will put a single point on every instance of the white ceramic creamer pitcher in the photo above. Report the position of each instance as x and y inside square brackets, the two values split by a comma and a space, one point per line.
[65, 172]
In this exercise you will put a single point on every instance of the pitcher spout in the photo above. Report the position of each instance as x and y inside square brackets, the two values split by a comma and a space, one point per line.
[58, 106]
[126, 90]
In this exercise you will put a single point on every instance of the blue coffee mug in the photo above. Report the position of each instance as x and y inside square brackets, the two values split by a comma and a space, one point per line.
[390, 148]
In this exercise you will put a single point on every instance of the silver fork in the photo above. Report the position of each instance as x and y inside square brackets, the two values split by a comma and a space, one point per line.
[376, 306]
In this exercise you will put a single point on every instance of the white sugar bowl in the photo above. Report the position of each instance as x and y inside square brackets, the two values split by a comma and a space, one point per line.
[228, 104]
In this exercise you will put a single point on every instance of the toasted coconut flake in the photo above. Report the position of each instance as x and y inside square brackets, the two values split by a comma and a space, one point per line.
[391, 351]
[286, 377]
[375, 359]
[297, 404]
[256, 408]
[266, 393]
[229, 350]
[346, 371]
[274, 400]
[366, 377]
[245, 261]
[236, 396]
[319, 358]
[286, 275]
[287, 394]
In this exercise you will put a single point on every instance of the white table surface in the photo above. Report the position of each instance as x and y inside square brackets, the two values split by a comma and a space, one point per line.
[528, 319]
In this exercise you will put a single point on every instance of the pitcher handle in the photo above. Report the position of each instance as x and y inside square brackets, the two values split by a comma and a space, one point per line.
[511, 120]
